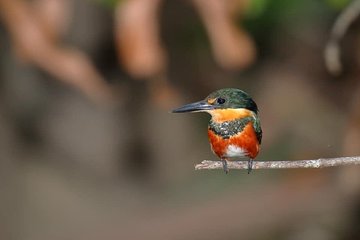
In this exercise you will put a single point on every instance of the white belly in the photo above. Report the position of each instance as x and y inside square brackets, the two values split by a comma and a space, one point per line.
[233, 151]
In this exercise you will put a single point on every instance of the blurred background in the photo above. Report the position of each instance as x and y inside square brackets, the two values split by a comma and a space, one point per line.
[90, 151]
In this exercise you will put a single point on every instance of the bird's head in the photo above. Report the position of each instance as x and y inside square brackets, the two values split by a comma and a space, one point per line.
[224, 104]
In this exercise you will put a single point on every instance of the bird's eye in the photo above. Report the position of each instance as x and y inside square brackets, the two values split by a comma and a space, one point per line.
[220, 100]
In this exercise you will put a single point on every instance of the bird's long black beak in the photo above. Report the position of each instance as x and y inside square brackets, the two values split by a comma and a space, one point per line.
[194, 107]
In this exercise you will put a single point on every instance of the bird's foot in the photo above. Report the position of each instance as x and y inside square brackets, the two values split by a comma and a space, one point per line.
[250, 165]
[225, 166]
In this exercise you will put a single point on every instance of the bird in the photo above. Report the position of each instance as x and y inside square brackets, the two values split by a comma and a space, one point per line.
[234, 130]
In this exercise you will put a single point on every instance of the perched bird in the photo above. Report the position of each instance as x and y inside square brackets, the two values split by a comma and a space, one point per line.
[234, 130]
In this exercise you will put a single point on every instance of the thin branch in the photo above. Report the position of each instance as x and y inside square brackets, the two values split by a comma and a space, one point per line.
[341, 25]
[316, 163]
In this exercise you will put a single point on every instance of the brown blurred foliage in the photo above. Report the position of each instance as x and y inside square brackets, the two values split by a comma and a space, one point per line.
[36, 29]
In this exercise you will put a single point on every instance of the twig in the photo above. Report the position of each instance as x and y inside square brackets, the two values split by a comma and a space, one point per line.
[341, 25]
[316, 163]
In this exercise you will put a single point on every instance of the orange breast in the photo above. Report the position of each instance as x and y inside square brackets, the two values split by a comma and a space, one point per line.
[246, 140]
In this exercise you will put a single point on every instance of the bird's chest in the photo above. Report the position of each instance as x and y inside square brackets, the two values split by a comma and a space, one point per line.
[233, 139]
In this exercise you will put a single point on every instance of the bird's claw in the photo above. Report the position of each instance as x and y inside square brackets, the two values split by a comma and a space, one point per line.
[225, 166]
[250, 165]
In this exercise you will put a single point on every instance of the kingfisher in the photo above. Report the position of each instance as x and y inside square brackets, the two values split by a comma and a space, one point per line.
[234, 130]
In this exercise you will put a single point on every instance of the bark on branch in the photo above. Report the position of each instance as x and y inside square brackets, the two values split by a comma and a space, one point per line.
[315, 163]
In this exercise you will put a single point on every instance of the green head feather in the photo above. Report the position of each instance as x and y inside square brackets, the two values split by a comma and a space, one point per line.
[232, 98]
